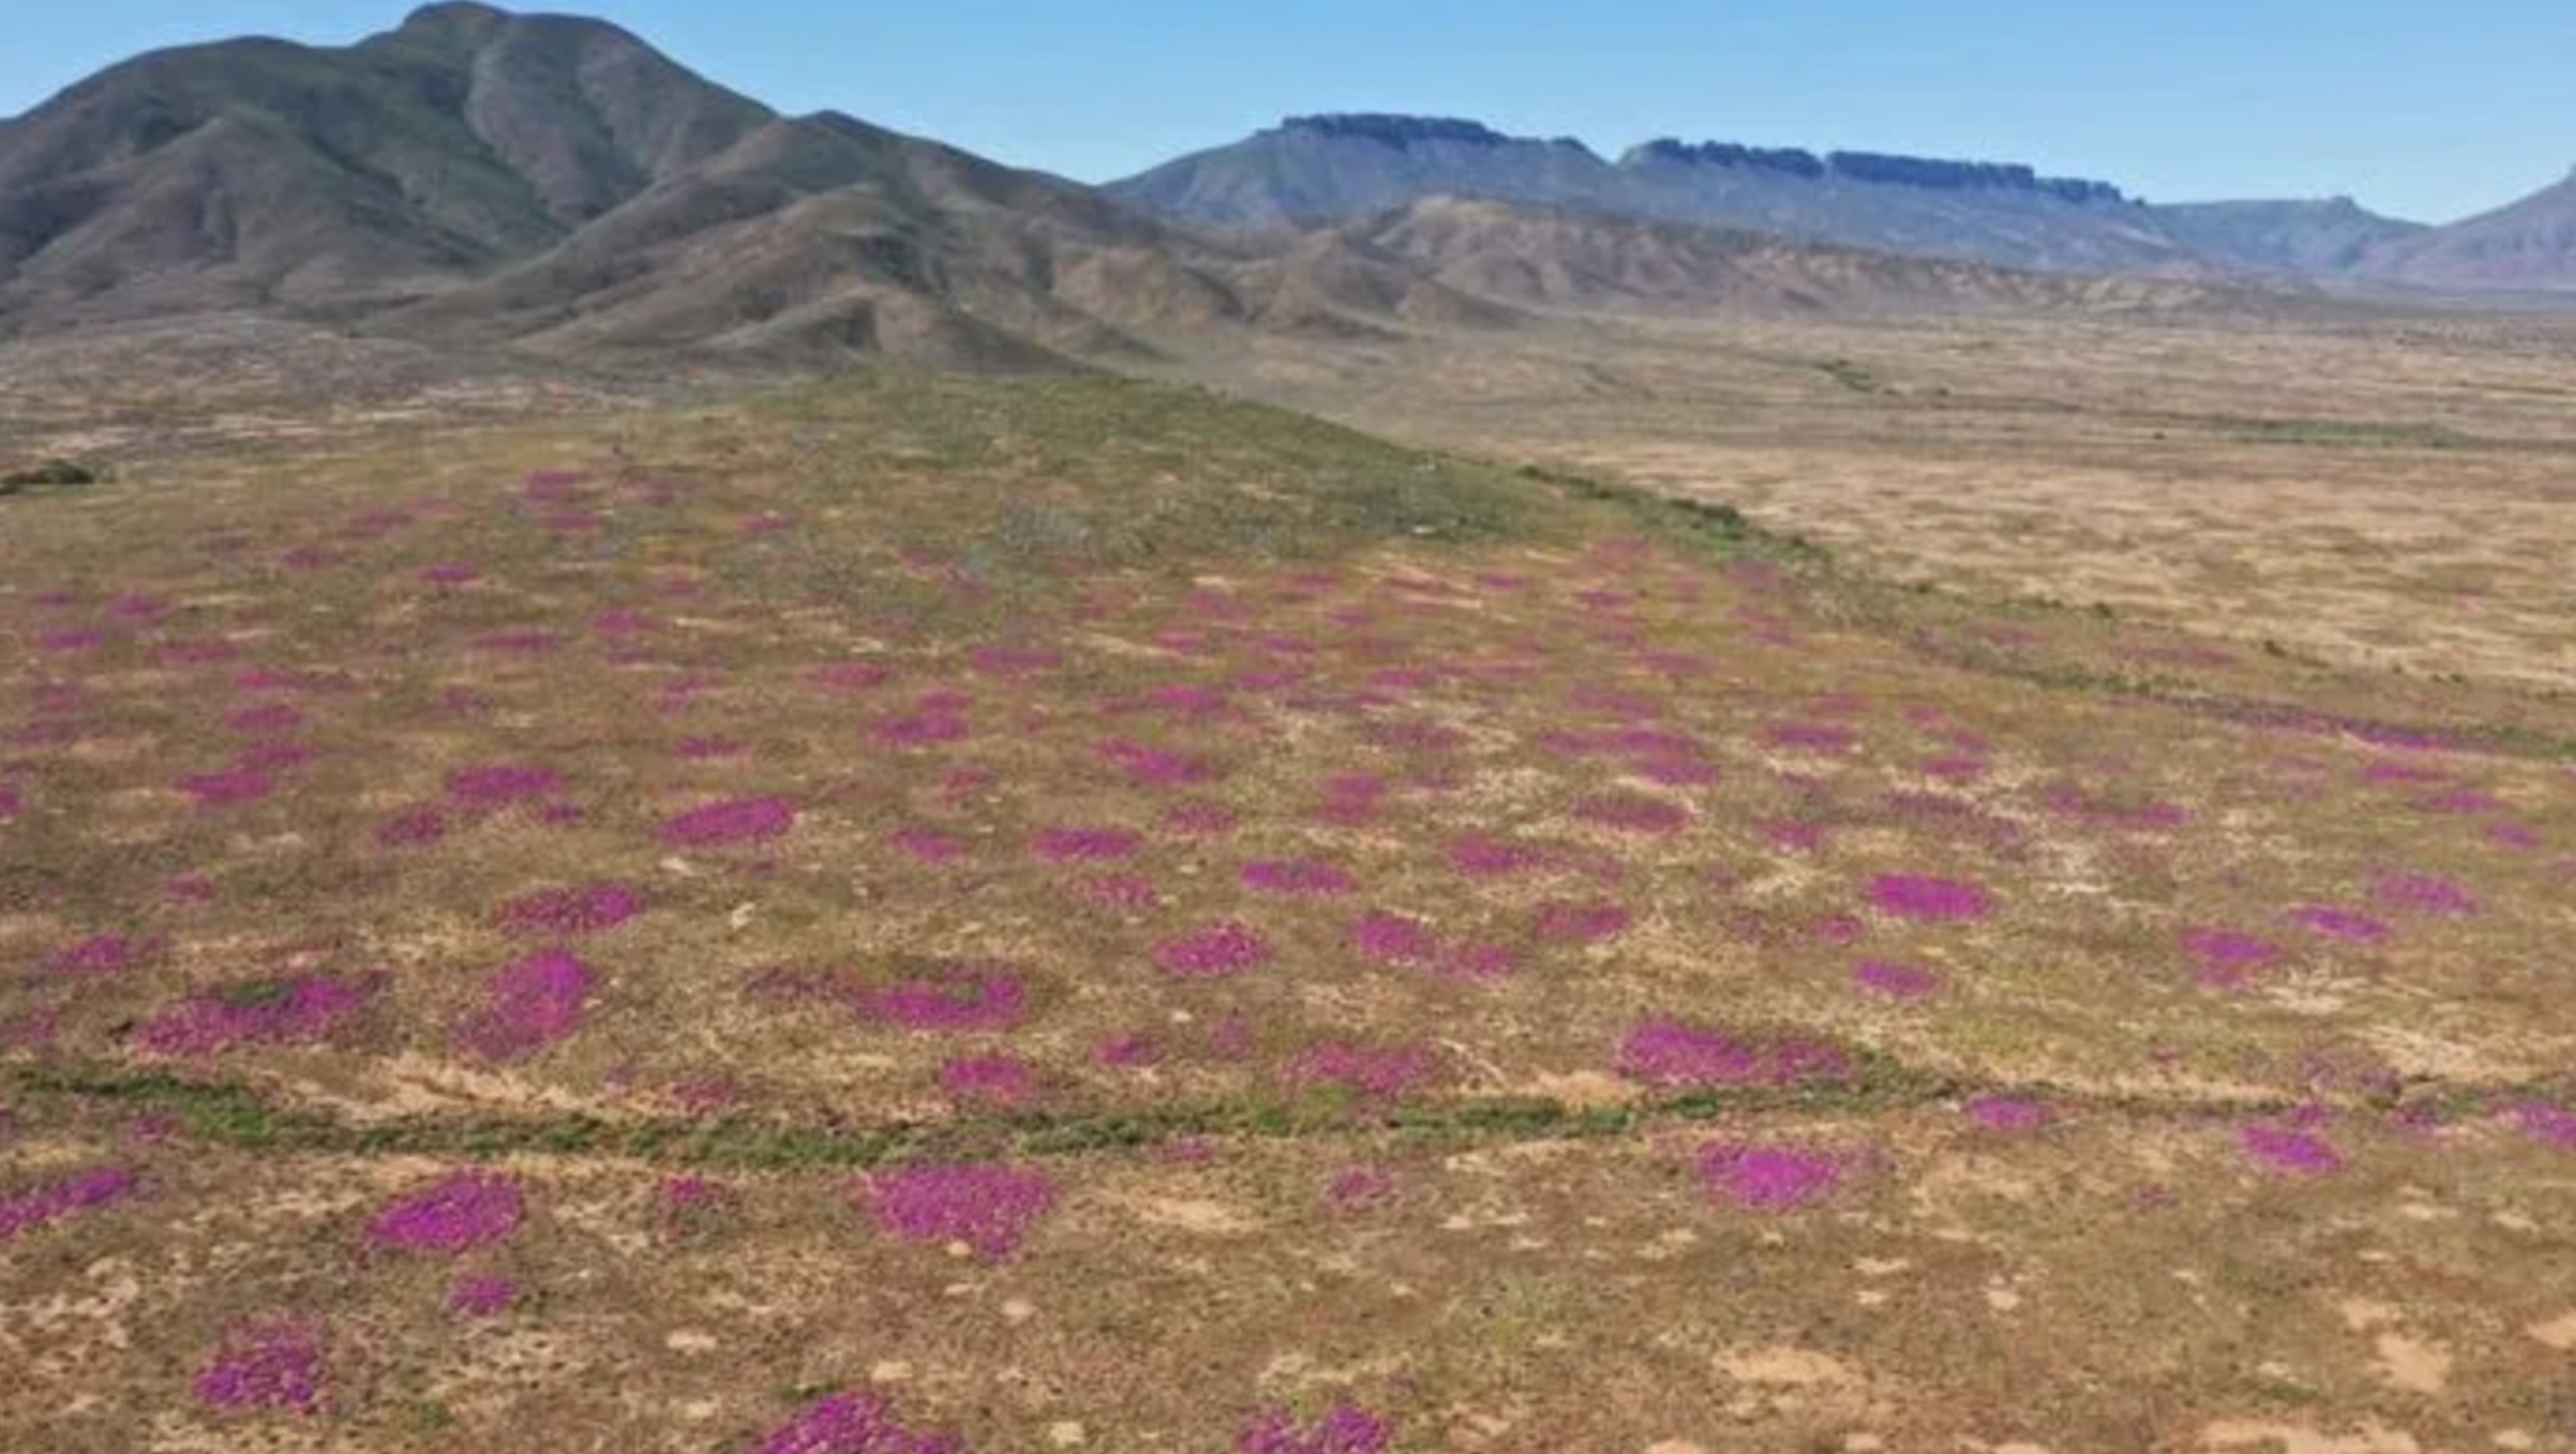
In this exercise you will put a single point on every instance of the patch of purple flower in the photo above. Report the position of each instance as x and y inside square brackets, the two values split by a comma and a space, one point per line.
[2417, 893]
[1345, 1428]
[1199, 820]
[1896, 981]
[989, 1080]
[1913, 896]
[989, 1208]
[1582, 923]
[482, 1297]
[101, 954]
[11, 802]
[1213, 952]
[1633, 813]
[1672, 1054]
[1768, 1178]
[230, 788]
[487, 788]
[959, 997]
[1393, 939]
[1303, 877]
[2333, 922]
[2291, 1151]
[1152, 767]
[854, 1423]
[265, 1367]
[2547, 1124]
[532, 1004]
[89, 1191]
[1062, 845]
[555, 913]
[456, 1214]
[2227, 958]
[292, 1011]
[1491, 858]
[734, 821]
[1359, 1189]
[1375, 1074]
[924, 729]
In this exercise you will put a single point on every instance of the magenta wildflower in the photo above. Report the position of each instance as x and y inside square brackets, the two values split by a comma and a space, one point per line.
[2290, 1151]
[735, 821]
[455, 1214]
[415, 828]
[532, 1004]
[1633, 813]
[959, 997]
[1768, 1178]
[1345, 1428]
[1359, 1189]
[1393, 939]
[275, 1012]
[265, 1367]
[498, 787]
[1911, 896]
[927, 846]
[1492, 858]
[2547, 1124]
[1672, 1054]
[2334, 922]
[2227, 957]
[100, 954]
[1063, 845]
[2008, 1113]
[1366, 1071]
[997, 1081]
[853, 1423]
[230, 788]
[2417, 893]
[555, 913]
[1152, 767]
[1582, 923]
[482, 1297]
[87, 1192]
[989, 1208]
[1213, 952]
[1896, 981]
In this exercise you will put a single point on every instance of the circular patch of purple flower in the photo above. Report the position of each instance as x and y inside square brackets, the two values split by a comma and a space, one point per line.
[1345, 1428]
[853, 1423]
[553, 913]
[2297, 1152]
[1370, 1072]
[2008, 1113]
[482, 1297]
[729, 823]
[265, 1367]
[2227, 958]
[958, 997]
[1086, 845]
[1916, 896]
[1896, 981]
[1675, 1055]
[1214, 953]
[1768, 1178]
[456, 1214]
[2423, 894]
[2331, 921]
[995, 1081]
[532, 1004]
[100, 954]
[990, 1208]
[89, 1191]
[299, 1010]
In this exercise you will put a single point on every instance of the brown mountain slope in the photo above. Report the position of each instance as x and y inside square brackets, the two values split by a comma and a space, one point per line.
[1571, 261]
[2530, 244]
[259, 172]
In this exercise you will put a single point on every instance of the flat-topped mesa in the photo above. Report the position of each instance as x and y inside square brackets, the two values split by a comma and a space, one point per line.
[1861, 166]
[1955, 176]
[1794, 161]
[1398, 131]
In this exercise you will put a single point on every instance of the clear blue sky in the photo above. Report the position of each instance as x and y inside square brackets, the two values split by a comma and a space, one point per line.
[2425, 110]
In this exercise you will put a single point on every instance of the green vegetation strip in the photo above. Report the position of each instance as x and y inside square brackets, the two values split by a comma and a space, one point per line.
[231, 1115]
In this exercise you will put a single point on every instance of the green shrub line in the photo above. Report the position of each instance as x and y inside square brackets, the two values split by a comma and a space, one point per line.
[229, 1114]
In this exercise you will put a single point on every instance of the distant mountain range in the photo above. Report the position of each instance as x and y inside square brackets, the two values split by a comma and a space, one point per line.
[553, 183]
